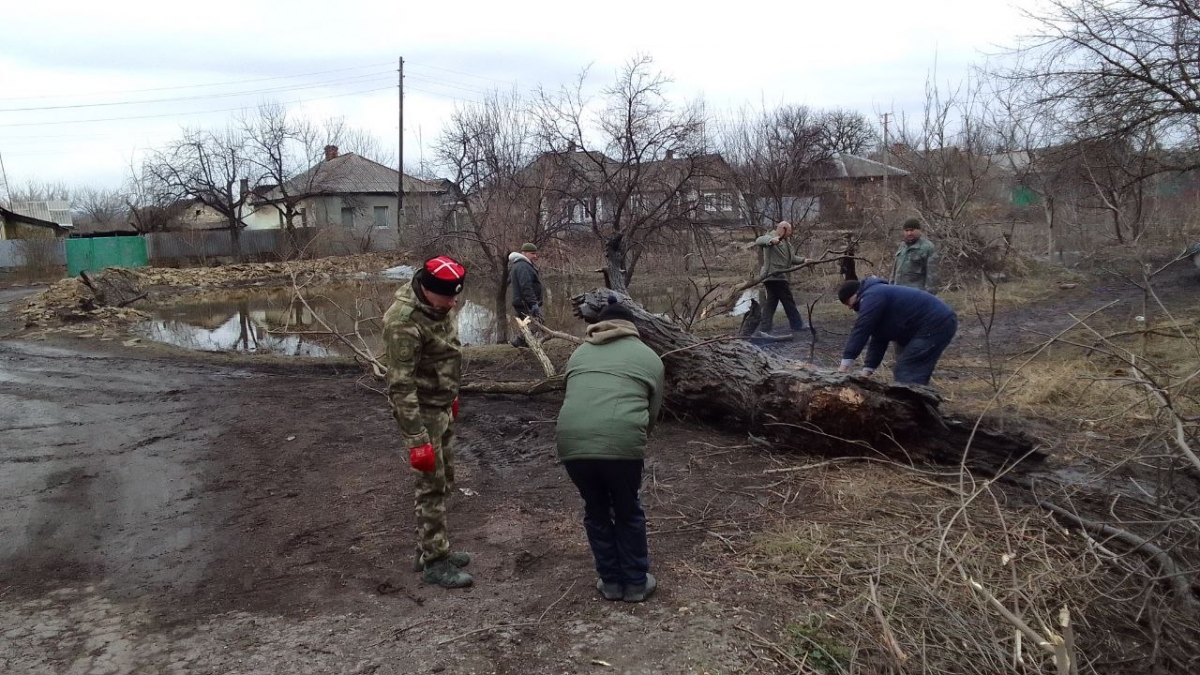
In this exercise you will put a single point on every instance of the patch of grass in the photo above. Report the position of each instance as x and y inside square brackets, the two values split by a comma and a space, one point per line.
[809, 644]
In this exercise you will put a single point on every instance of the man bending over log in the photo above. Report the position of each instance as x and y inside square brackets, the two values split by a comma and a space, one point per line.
[920, 325]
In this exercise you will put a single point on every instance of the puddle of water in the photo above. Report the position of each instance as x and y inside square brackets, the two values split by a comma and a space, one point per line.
[274, 321]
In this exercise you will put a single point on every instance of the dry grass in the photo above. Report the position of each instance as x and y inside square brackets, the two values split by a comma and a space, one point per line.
[917, 542]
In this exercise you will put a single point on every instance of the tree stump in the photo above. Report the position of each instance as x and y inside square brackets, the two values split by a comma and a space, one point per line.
[114, 287]
[737, 385]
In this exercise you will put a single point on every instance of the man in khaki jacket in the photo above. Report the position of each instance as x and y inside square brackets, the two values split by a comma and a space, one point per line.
[778, 256]
[916, 264]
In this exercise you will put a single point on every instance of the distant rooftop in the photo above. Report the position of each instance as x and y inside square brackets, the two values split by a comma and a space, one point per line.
[56, 211]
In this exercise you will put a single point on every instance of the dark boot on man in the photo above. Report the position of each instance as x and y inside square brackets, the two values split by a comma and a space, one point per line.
[610, 590]
[442, 572]
[642, 591]
[456, 558]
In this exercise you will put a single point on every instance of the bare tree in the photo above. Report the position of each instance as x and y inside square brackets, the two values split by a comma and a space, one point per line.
[1119, 169]
[101, 206]
[1034, 152]
[209, 167]
[1117, 65]
[846, 132]
[775, 154]
[149, 204]
[640, 182]
[950, 154]
[40, 191]
[360, 142]
[487, 147]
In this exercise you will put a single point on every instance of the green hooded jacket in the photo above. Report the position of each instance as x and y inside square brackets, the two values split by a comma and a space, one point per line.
[916, 266]
[614, 391]
[424, 361]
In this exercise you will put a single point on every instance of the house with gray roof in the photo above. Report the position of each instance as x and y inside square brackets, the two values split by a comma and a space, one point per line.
[845, 183]
[347, 190]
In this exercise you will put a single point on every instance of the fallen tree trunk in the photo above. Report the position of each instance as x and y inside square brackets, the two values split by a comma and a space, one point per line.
[739, 385]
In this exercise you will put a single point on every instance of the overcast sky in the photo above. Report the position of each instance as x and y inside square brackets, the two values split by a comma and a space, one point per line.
[120, 59]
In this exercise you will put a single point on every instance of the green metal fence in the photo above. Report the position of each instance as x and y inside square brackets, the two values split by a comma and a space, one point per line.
[95, 253]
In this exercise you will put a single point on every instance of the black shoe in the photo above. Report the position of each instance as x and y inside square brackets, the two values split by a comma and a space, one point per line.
[642, 591]
[442, 573]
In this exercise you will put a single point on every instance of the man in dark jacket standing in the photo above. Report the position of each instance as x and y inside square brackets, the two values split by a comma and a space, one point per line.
[526, 286]
[920, 324]
[614, 391]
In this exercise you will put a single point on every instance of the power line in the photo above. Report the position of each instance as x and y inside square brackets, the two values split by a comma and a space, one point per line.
[459, 72]
[201, 97]
[443, 95]
[192, 112]
[450, 84]
[193, 86]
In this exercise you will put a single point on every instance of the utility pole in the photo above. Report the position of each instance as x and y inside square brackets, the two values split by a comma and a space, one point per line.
[886, 156]
[4, 177]
[400, 219]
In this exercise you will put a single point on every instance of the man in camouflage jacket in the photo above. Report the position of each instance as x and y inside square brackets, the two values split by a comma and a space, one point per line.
[424, 367]
[916, 264]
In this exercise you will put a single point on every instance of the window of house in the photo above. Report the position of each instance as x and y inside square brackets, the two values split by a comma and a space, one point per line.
[303, 217]
[578, 213]
[717, 202]
[381, 216]
[347, 216]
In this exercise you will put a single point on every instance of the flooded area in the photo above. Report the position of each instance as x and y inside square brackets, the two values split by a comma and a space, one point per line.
[277, 321]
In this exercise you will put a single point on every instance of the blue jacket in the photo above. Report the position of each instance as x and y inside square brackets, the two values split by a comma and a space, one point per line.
[889, 313]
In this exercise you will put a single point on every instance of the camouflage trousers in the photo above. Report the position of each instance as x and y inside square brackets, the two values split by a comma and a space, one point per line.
[432, 489]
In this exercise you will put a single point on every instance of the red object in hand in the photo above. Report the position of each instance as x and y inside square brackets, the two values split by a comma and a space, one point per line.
[422, 458]
[454, 408]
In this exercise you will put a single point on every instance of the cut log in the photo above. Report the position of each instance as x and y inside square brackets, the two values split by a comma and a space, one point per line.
[740, 386]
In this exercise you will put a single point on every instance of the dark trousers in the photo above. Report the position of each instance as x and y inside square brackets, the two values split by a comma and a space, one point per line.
[613, 517]
[916, 360]
[779, 293]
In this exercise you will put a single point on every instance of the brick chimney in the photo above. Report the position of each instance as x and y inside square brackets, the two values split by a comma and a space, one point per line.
[331, 152]
[670, 154]
[245, 185]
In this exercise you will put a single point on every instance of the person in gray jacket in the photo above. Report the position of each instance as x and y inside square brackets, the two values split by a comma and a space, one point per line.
[916, 264]
[526, 286]
[778, 256]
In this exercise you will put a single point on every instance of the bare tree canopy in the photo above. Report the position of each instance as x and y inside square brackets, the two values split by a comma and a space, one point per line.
[207, 168]
[777, 153]
[1117, 65]
[100, 206]
[627, 164]
[486, 147]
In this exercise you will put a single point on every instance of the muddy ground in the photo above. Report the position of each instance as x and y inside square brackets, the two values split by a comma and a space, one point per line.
[170, 512]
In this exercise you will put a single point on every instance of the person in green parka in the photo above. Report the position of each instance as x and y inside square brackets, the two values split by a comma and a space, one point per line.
[614, 388]
[916, 264]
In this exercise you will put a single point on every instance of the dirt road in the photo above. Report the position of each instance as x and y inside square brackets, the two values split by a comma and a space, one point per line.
[168, 512]
[166, 515]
